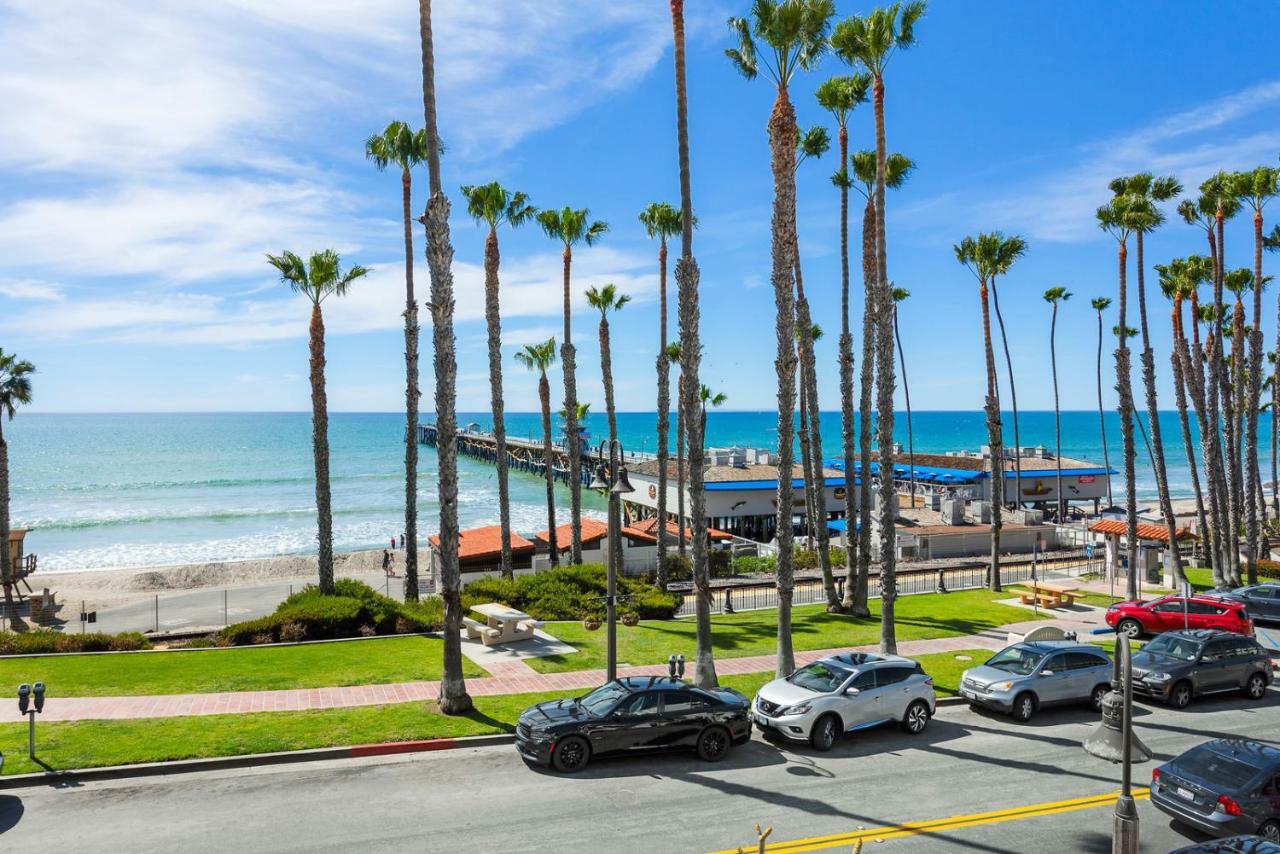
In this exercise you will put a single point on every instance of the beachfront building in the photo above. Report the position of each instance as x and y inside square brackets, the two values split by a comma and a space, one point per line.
[480, 554]
[1155, 560]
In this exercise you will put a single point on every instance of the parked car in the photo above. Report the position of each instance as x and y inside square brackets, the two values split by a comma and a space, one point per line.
[1022, 678]
[1262, 601]
[636, 713]
[1137, 618]
[1224, 787]
[1232, 845]
[846, 692]
[1177, 666]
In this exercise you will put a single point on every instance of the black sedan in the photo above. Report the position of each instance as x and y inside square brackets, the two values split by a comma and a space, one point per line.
[636, 713]
[1222, 787]
[1262, 601]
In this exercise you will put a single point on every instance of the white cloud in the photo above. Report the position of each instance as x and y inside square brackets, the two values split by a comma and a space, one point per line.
[30, 289]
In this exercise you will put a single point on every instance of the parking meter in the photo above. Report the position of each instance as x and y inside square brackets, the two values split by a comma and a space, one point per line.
[24, 698]
[38, 691]
[680, 666]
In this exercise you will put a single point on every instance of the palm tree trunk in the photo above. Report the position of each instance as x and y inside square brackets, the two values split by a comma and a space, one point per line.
[884, 398]
[1125, 391]
[1102, 421]
[1013, 399]
[606, 372]
[549, 459]
[1180, 397]
[857, 592]
[782, 146]
[493, 322]
[320, 450]
[1153, 419]
[995, 438]
[1251, 412]
[906, 391]
[846, 386]
[1057, 413]
[411, 395]
[680, 468]
[664, 413]
[8, 573]
[454, 699]
[568, 358]
[687, 276]
[1205, 403]
[806, 452]
[815, 488]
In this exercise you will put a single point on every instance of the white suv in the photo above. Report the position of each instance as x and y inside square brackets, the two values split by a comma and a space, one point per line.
[845, 692]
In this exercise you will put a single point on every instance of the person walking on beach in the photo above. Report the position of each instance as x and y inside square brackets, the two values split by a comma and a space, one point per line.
[393, 542]
[402, 542]
[386, 563]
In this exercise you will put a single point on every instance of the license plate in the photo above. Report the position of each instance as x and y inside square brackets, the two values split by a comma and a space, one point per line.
[1185, 794]
[965, 692]
[762, 720]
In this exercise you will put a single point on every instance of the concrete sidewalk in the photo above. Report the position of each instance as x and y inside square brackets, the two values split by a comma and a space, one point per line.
[514, 677]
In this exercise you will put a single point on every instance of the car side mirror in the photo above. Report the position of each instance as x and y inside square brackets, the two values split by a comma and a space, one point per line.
[853, 692]
[1046, 672]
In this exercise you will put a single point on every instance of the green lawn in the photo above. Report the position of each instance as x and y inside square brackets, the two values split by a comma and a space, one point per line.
[357, 662]
[90, 744]
[755, 632]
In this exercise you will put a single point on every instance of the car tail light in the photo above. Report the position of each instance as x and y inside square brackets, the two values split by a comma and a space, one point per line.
[1155, 776]
[1229, 806]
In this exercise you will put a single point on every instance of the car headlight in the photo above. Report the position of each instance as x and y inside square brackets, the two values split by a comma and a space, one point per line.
[1001, 686]
[1157, 677]
[797, 709]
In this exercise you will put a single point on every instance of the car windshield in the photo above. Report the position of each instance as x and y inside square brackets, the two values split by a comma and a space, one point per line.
[1174, 647]
[603, 699]
[820, 676]
[1015, 659]
[1212, 766]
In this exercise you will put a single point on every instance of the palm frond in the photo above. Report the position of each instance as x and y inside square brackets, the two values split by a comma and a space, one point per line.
[1100, 303]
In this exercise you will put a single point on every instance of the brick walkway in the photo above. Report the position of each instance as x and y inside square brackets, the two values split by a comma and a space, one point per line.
[507, 678]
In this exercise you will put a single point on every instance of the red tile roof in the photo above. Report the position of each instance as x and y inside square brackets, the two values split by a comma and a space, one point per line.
[1116, 527]
[650, 526]
[484, 543]
[592, 530]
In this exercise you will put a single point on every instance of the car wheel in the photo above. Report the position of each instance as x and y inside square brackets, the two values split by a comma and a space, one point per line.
[571, 754]
[713, 744]
[1256, 687]
[1132, 628]
[916, 718]
[1095, 698]
[824, 732]
[1270, 831]
[1024, 706]
[1180, 695]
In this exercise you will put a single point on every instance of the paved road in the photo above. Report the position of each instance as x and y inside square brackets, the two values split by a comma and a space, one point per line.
[487, 800]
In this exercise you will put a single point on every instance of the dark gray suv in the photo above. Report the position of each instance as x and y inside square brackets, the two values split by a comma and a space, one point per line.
[1262, 601]
[1222, 787]
[1176, 666]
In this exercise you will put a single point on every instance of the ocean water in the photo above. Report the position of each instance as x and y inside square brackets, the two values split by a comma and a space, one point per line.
[152, 489]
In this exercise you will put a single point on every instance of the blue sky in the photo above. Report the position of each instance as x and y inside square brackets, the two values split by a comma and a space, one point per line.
[152, 152]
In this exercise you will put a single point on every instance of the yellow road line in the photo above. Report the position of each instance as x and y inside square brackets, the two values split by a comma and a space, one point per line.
[955, 822]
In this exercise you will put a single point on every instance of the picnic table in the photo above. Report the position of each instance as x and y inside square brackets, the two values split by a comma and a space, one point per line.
[502, 624]
[1048, 595]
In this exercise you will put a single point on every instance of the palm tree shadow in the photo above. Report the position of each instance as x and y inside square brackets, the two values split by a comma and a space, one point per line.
[11, 812]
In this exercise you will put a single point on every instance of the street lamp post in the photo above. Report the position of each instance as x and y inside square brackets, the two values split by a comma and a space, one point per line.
[1114, 741]
[620, 485]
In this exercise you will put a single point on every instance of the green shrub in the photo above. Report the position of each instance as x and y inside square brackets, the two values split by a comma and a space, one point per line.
[571, 593]
[43, 641]
[1269, 569]
[720, 563]
[354, 610]
[679, 568]
[751, 564]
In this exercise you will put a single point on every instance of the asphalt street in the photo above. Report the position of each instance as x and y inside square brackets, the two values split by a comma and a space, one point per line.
[1017, 788]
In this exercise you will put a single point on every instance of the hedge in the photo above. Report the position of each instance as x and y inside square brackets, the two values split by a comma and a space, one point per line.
[571, 593]
[354, 609]
[44, 641]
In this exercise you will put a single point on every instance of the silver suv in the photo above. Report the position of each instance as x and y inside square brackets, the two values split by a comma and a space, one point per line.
[1021, 678]
[845, 692]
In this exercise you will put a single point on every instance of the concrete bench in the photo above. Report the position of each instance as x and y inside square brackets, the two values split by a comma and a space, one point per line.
[1048, 595]
[474, 627]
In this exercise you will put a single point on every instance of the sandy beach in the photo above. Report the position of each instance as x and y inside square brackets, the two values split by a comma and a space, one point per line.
[109, 588]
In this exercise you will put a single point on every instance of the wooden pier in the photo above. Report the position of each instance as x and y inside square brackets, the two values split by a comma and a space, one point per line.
[522, 454]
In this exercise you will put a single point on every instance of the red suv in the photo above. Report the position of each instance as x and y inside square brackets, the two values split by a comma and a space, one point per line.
[1176, 612]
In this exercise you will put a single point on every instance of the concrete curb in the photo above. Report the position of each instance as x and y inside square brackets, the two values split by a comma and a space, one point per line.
[287, 757]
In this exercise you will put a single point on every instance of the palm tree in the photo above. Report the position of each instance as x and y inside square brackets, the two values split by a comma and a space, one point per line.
[604, 300]
[687, 283]
[495, 205]
[1255, 188]
[899, 295]
[1116, 218]
[839, 96]
[1101, 304]
[569, 227]
[318, 279]
[1053, 296]
[708, 398]
[1272, 244]
[584, 410]
[405, 148]
[1146, 217]
[1009, 250]
[538, 358]
[662, 221]
[15, 391]
[454, 699]
[793, 35]
[980, 255]
[673, 356]
[898, 169]
[869, 42]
